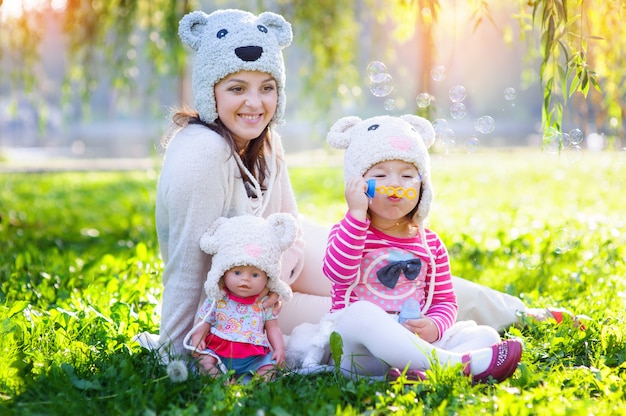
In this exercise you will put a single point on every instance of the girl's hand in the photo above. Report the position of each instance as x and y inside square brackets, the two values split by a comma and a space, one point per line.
[357, 200]
[425, 328]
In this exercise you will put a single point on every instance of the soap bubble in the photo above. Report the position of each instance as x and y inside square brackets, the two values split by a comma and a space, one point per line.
[532, 262]
[458, 111]
[457, 93]
[552, 140]
[509, 94]
[574, 153]
[440, 125]
[448, 139]
[376, 70]
[472, 144]
[383, 86]
[576, 136]
[438, 73]
[563, 240]
[485, 124]
[390, 104]
[423, 100]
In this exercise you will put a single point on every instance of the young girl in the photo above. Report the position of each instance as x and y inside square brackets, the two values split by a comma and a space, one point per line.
[233, 328]
[381, 255]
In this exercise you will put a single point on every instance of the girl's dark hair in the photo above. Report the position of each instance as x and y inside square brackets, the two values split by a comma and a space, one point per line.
[252, 156]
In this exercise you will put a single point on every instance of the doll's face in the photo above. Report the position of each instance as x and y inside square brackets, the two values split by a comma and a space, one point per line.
[245, 281]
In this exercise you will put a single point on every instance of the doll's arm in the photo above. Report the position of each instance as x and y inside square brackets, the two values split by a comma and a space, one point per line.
[275, 337]
[199, 335]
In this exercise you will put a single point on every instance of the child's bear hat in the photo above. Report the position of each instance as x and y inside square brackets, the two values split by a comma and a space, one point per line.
[377, 139]
[248, 240]
[228, 41]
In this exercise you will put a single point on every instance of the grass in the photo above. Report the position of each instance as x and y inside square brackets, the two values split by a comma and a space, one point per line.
[80, 275]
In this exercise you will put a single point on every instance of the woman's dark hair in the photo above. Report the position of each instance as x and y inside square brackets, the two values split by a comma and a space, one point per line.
[252, 156]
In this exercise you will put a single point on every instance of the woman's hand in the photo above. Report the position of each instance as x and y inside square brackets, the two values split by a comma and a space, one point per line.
[425, 328]
[271, 301]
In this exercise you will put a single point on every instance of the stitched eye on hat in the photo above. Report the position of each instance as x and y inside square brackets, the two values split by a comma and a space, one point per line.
[262, 28]
[372, 127]
[222, 33]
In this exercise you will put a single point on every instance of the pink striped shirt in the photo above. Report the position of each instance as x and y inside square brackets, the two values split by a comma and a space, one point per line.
[356, 253]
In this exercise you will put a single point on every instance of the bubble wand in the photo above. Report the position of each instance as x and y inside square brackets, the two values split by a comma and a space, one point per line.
[398, 191]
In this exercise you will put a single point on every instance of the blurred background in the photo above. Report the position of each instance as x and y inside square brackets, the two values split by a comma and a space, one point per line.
[89, 79]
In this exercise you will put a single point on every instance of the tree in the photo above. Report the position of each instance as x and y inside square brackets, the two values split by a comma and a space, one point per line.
[578, 45]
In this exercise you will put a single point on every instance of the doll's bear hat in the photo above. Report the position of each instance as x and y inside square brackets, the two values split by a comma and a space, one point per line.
[248, 240]
[377, 139]
[228, 41]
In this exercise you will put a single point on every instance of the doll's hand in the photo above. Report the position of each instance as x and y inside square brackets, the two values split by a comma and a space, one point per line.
[357, 200]
[279, 356]
[425, 328]
[198, 341]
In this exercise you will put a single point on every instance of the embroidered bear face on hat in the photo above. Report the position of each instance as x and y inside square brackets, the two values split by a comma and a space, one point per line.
[248, 240]
[228, 41]
[377, 139]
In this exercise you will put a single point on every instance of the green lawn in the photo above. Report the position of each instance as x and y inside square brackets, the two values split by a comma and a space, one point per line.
[80, 275]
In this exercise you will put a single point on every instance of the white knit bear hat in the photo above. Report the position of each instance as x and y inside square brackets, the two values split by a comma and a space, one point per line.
[228, 41]
[382, 138]
[248, 240]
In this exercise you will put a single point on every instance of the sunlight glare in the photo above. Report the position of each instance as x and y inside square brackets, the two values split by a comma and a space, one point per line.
[15, 9]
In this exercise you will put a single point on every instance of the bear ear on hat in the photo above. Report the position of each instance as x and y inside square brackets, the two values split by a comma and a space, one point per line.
[279, 26]
[285, 229]
[337, 136]
[209, 242]
[423, 127]
[191, 28]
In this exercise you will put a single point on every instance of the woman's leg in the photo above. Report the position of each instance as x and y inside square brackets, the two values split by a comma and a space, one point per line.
[486, 306]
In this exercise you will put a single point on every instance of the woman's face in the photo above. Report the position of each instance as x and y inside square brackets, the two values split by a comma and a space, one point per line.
[246, 102]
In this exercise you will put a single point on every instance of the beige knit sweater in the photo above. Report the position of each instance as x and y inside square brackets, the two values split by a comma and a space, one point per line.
[199, 182]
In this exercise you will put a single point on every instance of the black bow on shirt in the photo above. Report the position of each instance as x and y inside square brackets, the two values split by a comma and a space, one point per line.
[389, 274]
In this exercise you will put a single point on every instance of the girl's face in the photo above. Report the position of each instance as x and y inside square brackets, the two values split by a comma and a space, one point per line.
[386, 210]
[246, 102]
[245, 281]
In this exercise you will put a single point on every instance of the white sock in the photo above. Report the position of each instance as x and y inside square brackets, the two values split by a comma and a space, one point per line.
[480, 360]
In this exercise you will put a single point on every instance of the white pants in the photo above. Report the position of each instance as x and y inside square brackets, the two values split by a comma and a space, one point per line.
[373, 341]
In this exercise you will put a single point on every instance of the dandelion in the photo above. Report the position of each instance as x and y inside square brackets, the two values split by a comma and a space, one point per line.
[177, 371]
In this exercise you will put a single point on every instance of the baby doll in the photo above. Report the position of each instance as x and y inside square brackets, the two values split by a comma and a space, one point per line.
[233, 331]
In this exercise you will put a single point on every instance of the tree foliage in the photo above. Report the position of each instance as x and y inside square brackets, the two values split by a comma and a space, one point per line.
[578, 47]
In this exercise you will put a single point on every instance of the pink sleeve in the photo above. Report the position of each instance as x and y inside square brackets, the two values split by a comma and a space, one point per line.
[443, 309]
[344, 250]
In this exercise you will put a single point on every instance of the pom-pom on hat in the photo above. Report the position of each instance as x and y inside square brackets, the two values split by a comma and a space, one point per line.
[248, 240]
[377, 139]
[228, 41]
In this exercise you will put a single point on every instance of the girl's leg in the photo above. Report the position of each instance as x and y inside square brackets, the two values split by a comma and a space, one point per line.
[368, 331]
[467, 336]
[373, 341]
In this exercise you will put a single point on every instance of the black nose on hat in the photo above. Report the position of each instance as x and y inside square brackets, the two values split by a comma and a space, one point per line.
[249, 53]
